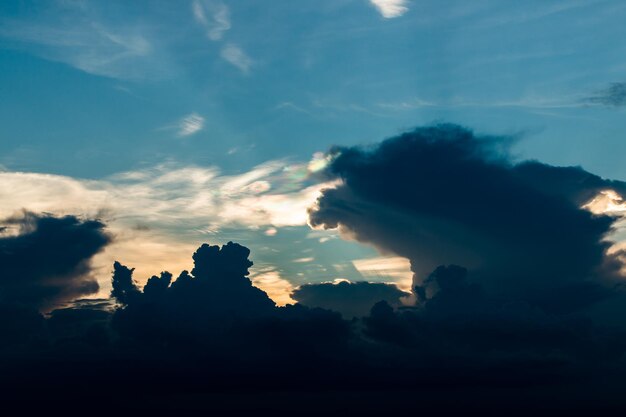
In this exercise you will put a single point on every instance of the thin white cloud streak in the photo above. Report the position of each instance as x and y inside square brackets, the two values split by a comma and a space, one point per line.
[191, 124]
[220, 18]
[118, 52]
[391, 8]
[534, 102]
[234, 55]
[216, 26]
[170, 197]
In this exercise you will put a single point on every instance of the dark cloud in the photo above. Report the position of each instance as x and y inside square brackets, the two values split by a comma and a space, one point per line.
[216, 307]
[441, 194]
[526, 318]
[614, 95]
[506, 340]
[46, 261]
[210, 341]
[351, 299]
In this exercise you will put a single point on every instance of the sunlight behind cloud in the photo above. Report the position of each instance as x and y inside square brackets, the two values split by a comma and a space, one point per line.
[384, 269]
[278, 288]
[607, 202]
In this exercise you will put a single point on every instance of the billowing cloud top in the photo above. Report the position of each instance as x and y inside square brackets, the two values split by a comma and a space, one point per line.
[442, 194]
[44, 260]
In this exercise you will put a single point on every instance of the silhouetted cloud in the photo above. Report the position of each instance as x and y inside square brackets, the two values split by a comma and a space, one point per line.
[526, 314]
[210, 334]
[45, 261]
[216, 307]
[506, 339]
[351, 299]
[614, 95]
[441, 194]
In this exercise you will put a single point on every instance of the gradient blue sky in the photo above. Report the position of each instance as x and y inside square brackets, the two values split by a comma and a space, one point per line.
[141, 110]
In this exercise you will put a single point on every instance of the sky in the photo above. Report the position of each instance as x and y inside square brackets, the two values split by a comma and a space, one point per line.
[207, 114]
[433, 185]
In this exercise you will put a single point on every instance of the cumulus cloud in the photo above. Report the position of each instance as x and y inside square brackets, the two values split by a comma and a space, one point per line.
[441, 194]
[532, 318]
[218, 282]
[45, 260]
[211, 330]
[351, 299]
[391, 8]
[215, 306]
[190, 124]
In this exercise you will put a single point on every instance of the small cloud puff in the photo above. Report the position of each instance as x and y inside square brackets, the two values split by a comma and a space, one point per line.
[390, 8]
[191, 124]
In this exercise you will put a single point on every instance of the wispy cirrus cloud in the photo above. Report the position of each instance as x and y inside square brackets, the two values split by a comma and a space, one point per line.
[234, 55]
[214, 17]
[190, 124]
[219, 21]
[391, 8]
[117, 50]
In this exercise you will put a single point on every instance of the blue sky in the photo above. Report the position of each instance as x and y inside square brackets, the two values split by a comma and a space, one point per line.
[156, 102]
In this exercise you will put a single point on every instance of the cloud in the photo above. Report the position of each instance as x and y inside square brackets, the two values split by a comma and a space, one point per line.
[351, 299]
[191, 124]
[391, 8]
[218, 24]
[79, 39]
[159, 213]
[45, 260]
[540, 316]
[441, 194]
[218, 283]
[220, 18]
[216, 308]
[613, 96]
[461, 320]
[234, 55]
[212, 331]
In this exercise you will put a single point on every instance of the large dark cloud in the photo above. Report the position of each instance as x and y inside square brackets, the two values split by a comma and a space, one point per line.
[46, 260]
[513, 325]
[351, 299]
[441, 194]
[210, 341]
[215, 307]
